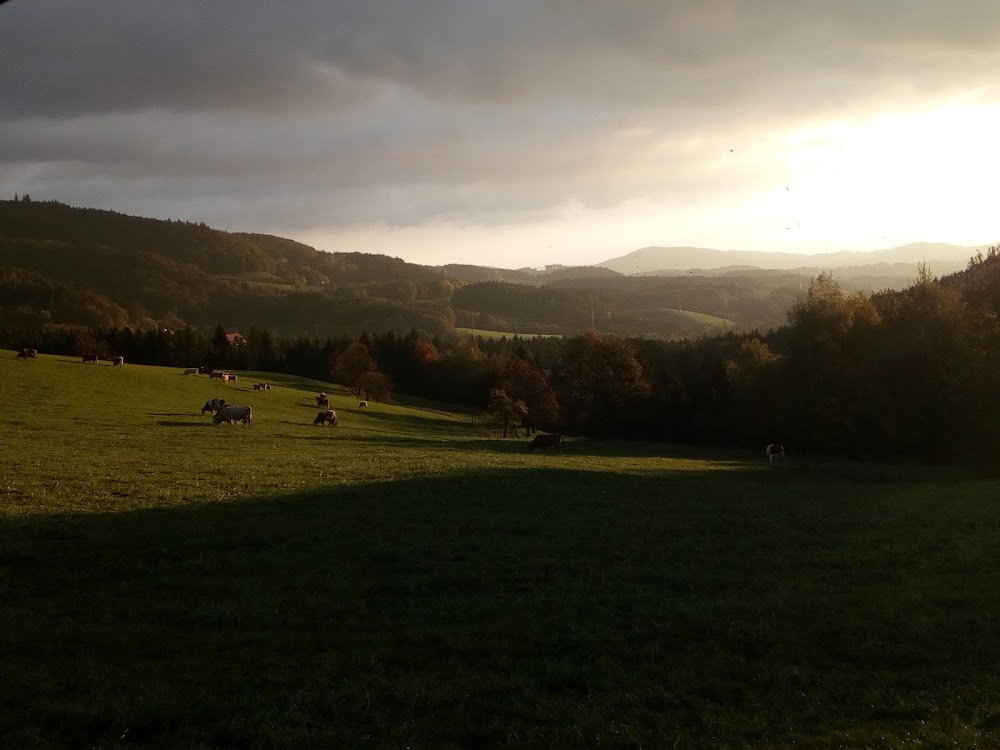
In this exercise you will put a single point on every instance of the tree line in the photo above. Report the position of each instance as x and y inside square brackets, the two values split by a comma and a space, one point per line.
[911, 374]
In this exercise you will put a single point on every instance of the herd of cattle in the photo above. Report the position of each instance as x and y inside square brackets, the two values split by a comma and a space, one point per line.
[27, 353]
[228, 413]
[231, 414]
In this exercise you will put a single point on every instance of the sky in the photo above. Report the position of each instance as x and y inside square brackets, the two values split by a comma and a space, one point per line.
[515, 133]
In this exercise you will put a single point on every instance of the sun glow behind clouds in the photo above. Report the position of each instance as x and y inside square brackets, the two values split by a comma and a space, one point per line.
[892, 179]
[859, 185]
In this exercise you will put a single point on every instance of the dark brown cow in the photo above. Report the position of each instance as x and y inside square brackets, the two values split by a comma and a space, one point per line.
[329, 417]
[233, 415]
[552, 440]
[322, 400]
[91, 358]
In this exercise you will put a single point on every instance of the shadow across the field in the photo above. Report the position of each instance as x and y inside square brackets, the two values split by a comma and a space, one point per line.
[421, 423]
[570, 447]
[462, 610]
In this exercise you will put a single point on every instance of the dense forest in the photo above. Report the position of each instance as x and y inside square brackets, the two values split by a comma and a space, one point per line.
[909, 374]
[127, 271]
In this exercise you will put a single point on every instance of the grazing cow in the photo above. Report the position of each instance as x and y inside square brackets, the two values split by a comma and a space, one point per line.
[232, 379]
[261, 387]
[213, 405]
[233, 414]
[363, 405]
[191, 371]
[119, 361]
[205, 370]
[553, 440]
[90, 358]
[775, 452]
[329, 416]
[27, 354]
[322, 400]
[215, 374]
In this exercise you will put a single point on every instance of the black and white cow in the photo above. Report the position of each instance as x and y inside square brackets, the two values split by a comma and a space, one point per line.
[213, 405]
[328, 417]
[775, 452]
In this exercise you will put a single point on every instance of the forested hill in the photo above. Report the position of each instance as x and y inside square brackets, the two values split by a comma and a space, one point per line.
[208, 249]
[61, 265]
[149, 272]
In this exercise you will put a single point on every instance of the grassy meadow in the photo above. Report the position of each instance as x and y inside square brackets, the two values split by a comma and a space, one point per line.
[486, 334]
[404, 581]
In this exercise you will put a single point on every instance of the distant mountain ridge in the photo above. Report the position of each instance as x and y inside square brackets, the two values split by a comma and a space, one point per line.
[653, 259]
[67, 266]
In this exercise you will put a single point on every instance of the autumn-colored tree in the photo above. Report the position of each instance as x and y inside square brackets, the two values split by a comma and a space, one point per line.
[829, 331]
[757, 408]
[524, 382]
[505, 410]
[375, 386]
[352, 364]
[602, 383]
[424, 351]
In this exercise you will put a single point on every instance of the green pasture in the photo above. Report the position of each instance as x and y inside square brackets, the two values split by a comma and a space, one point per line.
[503, 334]
[673, 316]
[697, 317]
[404, 581]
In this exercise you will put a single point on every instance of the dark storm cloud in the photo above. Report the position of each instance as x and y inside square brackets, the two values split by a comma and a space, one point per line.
[107, 56]
[409, 110]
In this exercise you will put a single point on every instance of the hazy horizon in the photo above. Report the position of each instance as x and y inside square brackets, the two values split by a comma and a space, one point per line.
[513, 133]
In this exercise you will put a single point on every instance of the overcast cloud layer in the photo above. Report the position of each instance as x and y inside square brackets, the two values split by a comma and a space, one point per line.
[334, 120]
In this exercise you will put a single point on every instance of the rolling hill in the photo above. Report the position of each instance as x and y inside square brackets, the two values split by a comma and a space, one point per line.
[649, 260]
[67, 266]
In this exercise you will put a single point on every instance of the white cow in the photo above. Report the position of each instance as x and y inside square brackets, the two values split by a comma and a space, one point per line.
[191, 371]
[775, 452]
[232, 414]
